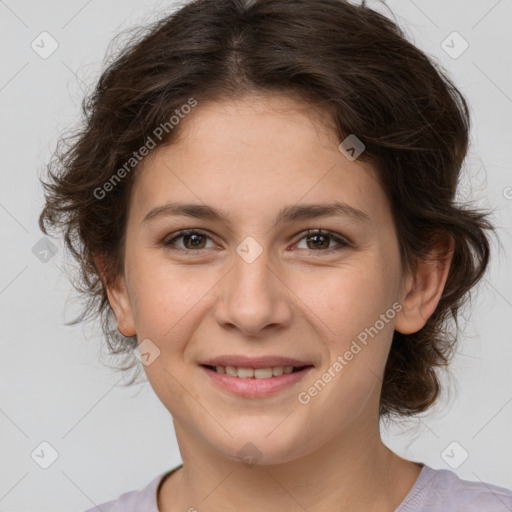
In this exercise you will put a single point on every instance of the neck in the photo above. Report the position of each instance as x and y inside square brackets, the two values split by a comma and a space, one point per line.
[354, 471]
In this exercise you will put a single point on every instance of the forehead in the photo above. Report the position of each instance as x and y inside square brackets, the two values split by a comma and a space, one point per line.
[252, 156]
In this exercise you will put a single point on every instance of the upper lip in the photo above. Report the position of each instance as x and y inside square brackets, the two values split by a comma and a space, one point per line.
[255, 362]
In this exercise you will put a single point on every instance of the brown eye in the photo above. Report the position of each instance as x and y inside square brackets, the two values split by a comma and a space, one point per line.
[192, 240]
[320, 240]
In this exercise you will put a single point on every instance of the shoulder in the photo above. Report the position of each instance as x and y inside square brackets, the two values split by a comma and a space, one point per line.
[442, 490]
[144, 500]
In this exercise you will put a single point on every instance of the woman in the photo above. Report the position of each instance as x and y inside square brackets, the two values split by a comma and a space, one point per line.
[263, 198]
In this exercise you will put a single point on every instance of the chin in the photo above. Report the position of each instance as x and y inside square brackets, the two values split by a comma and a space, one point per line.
[255, 445]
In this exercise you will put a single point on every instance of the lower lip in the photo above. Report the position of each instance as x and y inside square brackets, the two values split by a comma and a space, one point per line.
[255, 388]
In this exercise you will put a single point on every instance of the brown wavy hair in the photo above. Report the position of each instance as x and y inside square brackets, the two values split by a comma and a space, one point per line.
[347, 58]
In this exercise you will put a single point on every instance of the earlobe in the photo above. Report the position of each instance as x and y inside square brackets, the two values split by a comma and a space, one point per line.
[119, 299]
[424, 287]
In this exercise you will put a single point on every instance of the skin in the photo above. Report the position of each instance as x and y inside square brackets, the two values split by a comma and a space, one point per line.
[250, 158]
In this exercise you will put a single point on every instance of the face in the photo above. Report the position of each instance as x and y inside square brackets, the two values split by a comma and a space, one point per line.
[252, 282]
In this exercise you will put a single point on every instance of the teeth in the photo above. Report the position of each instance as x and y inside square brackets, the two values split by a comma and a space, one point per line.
[257, 373]
[262, 373]
[231, 370]
[245, 373]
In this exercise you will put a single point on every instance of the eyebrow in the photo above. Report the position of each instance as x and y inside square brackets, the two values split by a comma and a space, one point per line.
[286, 215]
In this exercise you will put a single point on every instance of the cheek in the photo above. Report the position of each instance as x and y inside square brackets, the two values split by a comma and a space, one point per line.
[348, 298]
[356, 305]
[160, 297]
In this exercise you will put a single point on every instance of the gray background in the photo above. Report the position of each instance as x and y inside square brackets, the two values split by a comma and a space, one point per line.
[53, 386]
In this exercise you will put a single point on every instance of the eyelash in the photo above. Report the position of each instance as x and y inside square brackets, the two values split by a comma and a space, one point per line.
[342, 243]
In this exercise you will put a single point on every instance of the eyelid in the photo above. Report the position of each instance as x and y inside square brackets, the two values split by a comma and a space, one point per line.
[339, 239]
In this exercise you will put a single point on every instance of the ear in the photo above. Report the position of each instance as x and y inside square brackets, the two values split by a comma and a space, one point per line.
[424, 287]
[118, 298]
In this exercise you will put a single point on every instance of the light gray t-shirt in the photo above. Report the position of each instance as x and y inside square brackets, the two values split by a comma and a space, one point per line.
[435, 490]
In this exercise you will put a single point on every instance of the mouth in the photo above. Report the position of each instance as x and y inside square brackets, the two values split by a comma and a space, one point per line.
[249, 382]
[268, 372]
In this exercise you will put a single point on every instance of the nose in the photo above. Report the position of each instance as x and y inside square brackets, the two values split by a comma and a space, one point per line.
[254, 298]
